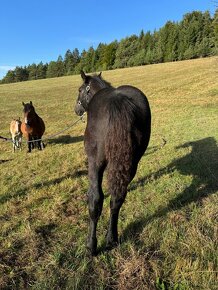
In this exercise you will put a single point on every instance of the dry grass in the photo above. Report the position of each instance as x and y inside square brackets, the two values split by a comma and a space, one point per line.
[168, 238]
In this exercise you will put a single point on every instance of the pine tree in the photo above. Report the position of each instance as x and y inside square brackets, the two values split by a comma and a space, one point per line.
[127, 48]
[41, 70]
[52, 69]
[90, 60]
[82, 63]
[21, 74]
[75, 57]
[32, 69]
[149, 57]
[109, 55]
[9, 78]
[204, 48]
[215, 31]
[147, 41]
[71, 59]
[99, 57]
[68, 62]
[156, 55]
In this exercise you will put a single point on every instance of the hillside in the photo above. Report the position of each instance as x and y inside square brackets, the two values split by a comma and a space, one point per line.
[195, 36]
[168, 224]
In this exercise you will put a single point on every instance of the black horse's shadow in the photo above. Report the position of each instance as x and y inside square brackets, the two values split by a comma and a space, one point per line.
[201, 163]
[66, 139]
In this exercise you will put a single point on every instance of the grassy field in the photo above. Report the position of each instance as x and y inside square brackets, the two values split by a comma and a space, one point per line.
[168, 224]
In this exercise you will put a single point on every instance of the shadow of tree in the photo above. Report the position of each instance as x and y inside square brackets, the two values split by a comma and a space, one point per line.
[201, 163]
[23, 191]
[66, 139]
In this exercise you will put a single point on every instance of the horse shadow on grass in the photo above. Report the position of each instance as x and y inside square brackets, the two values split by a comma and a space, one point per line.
[66, 139]
[201, 163]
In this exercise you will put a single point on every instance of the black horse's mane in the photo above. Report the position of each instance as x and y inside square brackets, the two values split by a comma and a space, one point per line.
[102, 82]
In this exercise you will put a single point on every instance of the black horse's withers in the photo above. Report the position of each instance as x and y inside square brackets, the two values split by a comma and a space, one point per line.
[116, 136]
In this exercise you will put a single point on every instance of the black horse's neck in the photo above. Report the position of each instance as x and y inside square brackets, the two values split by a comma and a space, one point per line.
[97, 83]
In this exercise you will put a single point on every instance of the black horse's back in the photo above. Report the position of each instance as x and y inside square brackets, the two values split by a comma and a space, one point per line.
[127, 137]
[117, 135]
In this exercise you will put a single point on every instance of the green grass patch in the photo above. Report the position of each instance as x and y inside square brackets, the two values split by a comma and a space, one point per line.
[168, 223]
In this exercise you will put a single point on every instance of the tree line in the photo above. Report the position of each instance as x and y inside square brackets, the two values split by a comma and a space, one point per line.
[196, 35]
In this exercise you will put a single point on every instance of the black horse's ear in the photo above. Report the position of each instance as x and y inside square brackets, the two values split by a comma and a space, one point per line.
[23, 103]
[31, 103]
[99, 75]
[83, 75]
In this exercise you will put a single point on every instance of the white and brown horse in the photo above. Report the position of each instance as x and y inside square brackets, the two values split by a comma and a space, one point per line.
[16, 134]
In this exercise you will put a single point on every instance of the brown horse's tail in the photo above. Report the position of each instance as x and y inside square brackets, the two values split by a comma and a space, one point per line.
[119, 146]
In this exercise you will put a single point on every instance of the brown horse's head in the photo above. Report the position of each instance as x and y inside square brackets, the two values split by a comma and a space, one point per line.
[29, 113]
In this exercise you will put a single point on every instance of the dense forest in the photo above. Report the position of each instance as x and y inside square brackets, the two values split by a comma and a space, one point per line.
[196, 35]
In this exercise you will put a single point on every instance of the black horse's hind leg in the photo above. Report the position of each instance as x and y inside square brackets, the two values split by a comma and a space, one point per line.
[112, 233]
[95, 203]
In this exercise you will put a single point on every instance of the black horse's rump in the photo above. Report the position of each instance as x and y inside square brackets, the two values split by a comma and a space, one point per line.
[116, 136]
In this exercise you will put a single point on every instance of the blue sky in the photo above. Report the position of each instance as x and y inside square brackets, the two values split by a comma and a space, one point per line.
[40, 30]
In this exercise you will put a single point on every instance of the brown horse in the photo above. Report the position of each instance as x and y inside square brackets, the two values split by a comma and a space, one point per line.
[33, 127]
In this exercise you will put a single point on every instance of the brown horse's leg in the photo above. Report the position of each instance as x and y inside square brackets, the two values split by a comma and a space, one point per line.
[95, 203]
[39, 143]
[115, 205]
[29, 144]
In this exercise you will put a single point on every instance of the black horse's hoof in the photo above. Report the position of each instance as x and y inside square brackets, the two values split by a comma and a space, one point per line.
[111, 244]
[92, 247]
[92, 252]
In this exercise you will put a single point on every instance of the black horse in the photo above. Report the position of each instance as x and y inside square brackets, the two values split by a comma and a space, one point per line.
[116, 136]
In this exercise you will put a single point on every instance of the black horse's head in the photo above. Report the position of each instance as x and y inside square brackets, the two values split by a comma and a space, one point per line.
[29, 112]
[91, 85]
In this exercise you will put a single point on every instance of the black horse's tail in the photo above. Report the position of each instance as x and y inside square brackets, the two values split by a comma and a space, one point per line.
[119, 145]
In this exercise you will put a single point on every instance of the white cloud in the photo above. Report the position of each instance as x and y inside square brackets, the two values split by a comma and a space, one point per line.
[4, 69]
